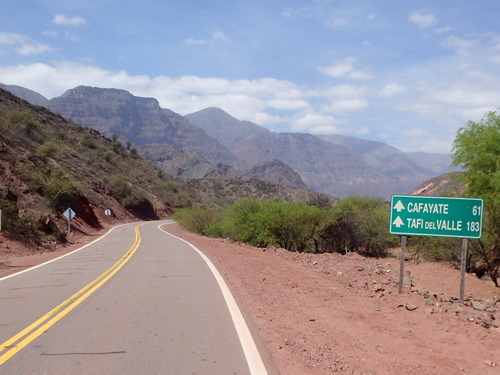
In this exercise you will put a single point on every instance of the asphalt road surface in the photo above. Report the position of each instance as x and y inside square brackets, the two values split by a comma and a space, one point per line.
[136, 301]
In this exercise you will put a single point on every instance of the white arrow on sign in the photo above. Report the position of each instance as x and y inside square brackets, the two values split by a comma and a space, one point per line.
[398, 222]
[399, 206]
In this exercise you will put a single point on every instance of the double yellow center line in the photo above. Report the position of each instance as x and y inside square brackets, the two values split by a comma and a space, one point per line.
[19, 341]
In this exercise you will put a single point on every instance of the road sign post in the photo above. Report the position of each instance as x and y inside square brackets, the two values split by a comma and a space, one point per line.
[416, 215]
[402, 264]
[69, 214]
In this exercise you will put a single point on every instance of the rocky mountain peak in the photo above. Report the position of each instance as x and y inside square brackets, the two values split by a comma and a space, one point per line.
[222, 126]
[139, 120]
[277, 172]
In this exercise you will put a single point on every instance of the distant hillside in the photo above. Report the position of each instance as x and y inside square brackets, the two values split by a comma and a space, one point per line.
[323, 167]
[175, 162]
[232, 190]
[444, 185]
[276, 172]
[437, 163]
[351, 166]
[224, 127]
[27, 94]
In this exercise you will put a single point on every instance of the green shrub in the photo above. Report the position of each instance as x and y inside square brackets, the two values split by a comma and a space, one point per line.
[47, 150]
[356, 224]
[52, 183]
[24, 226]
[60, 190]
[434, 249]
[241, 223]
[120, 186]
[293, 226]
[359, 224]
[199, 220]
[107, 155]
[21, 119]
[88, 141]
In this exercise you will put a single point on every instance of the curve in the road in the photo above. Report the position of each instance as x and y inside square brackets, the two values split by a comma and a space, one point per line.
[16, 343]
[252, 354]
[19, 341]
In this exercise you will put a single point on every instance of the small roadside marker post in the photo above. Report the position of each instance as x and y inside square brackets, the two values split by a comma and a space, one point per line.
[69, 214]
[463, 261]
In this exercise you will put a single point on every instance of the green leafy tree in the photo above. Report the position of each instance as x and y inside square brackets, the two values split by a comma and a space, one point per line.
[242, 223]
[477, 150]
[359, 224]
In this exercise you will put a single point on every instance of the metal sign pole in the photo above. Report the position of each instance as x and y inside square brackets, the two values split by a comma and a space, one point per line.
[463, 261]
[402, 264]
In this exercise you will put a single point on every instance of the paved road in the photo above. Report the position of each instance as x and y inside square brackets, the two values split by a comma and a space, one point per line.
[137, 301]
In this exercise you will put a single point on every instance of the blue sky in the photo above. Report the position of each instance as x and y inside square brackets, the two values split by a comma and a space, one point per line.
[405, 72]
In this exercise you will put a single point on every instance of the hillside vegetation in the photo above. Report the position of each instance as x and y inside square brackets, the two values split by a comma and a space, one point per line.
[48, 164]
[355, 224]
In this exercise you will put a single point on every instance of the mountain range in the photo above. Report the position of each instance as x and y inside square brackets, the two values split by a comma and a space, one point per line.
[212, 144]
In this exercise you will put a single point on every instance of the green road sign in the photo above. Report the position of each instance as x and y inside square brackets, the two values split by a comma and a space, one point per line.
[416, 215]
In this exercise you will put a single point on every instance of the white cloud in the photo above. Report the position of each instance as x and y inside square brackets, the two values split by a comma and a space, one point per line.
[422, 20]
[288, 13]
[62, 20]
[220, 37]
[444, 29]
[194, 41]
[346, 105]
[337, 22]
[344, 98]
[362, 131]
[345, 69]
[216, 37]
[461, 45]
[415, 132]
[23, 45]
[11, 38]
[294, 13]
[392, 89]
[343, 91]
[314, 123]
[32, 48]
[52, 33]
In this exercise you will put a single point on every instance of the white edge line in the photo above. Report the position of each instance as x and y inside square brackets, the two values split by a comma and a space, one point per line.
[62, 256]
[254, 360]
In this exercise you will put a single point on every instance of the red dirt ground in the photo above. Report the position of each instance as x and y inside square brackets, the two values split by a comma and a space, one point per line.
[332, 313]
